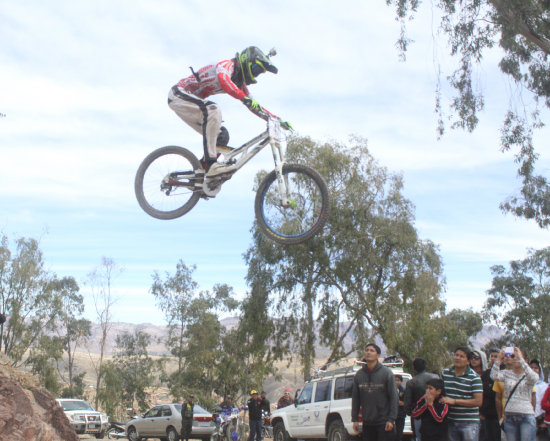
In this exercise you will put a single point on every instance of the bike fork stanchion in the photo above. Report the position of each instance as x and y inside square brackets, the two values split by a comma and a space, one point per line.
[281, 179]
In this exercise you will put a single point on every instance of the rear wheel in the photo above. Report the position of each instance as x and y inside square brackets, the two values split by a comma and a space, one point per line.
[303, 216]
[337, 431]
[172, 434]
[166, 183]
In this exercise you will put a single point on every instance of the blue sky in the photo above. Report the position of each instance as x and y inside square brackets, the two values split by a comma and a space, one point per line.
[83, 91]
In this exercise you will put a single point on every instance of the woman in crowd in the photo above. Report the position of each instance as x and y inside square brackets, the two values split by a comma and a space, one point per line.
[519, 415]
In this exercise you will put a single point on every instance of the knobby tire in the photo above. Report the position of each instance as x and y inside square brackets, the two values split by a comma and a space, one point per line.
[297, 224]
[149, 177]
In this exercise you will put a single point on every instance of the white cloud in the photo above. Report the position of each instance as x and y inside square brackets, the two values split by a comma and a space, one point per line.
[84, 94]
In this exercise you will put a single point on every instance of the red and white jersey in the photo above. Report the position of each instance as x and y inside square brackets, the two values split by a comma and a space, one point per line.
[214, 79]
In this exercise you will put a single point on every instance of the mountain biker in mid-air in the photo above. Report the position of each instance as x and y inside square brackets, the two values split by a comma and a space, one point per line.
[188, 99]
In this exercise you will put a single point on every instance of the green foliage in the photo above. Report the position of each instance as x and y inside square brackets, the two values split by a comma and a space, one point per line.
[136, 370]
[209, 357]
[521, 28]
[110, 394]
[366, 273]
[71, 328]
[43, 359]
[77, 387]
[519, 301]
[23, 298]
[173, 296]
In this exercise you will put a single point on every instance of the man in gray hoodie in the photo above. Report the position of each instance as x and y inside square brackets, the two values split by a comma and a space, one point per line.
[374, 393]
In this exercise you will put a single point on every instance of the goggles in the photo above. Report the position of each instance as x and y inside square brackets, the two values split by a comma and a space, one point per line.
[257, 68]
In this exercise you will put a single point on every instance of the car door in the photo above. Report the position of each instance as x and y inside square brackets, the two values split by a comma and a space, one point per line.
[341, 403]
[299, 419]
[166, 419]
[147, 425]
[319, 408]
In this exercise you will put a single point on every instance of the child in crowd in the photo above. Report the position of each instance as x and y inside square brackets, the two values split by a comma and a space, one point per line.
[400, 421]
[432, 413]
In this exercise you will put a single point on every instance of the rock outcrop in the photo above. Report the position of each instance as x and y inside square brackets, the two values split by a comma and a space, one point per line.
[27, 411]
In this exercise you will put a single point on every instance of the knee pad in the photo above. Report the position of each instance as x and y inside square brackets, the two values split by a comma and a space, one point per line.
[223, 137]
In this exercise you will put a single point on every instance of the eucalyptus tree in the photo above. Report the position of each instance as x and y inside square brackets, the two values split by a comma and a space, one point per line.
[43, 360]
[100, 281]
[173, 296]
[521, 30]
[200, 352]
[367, 273]
[24, 297]
[519, 301]
[72, 329]
[65, 334]
[194, 331]
[135, 368]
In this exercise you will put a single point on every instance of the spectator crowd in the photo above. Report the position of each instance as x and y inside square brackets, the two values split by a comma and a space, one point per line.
[503, 398]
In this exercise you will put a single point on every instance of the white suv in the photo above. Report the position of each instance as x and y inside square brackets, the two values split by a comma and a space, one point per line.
[323, 409]
[84, 418]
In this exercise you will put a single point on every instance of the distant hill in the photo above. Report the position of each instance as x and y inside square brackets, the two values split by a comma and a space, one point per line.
[160, 332]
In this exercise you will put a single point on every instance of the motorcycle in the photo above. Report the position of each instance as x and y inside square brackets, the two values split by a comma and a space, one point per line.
[116, 431]
[267, 428]
[229, 425]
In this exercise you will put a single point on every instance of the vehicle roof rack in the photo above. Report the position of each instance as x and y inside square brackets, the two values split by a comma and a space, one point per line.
[338, 371]
[393, 361]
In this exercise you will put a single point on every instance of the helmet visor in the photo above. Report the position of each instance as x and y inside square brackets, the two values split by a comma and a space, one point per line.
[257, 68]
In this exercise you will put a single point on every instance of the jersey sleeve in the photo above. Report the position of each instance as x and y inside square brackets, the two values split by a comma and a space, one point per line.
[420, 407]
[224, 69]
[439, 411]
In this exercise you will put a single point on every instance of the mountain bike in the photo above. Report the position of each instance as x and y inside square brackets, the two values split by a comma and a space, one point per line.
[291, 204]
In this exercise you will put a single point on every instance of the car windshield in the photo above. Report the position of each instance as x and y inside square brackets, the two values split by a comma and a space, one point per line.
[196, 409]
[75, 405]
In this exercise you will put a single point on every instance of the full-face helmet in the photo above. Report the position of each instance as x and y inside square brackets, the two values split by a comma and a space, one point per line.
[253, 62]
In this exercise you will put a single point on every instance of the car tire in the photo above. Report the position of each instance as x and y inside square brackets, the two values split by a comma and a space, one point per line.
[280, 433]
[337, 431]
[172, 434]
[132, 434]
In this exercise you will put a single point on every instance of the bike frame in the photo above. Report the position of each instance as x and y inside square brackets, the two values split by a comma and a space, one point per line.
[274, 136]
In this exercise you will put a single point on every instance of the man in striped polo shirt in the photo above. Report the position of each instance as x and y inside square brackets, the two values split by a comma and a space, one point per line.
[464, 395]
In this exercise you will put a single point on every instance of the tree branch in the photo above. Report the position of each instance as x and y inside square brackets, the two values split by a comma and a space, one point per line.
[522, 27]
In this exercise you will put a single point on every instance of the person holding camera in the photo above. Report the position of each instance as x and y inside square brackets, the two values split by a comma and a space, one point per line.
[519, 416]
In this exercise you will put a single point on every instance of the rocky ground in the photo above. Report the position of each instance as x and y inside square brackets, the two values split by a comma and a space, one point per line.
[27, 411]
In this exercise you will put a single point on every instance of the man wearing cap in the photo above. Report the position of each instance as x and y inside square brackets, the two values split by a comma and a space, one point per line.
[374, 393]
[255, 416]
[187, 409]
[285, 400]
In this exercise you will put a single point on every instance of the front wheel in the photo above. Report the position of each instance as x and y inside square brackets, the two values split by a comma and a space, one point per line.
[113, 433]
[280, 434]
[166, 185]
[303, 215]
